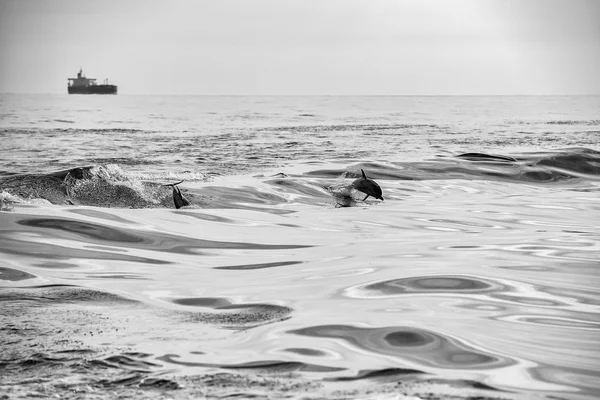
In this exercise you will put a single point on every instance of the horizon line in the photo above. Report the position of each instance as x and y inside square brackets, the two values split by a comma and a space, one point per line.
[318, 95]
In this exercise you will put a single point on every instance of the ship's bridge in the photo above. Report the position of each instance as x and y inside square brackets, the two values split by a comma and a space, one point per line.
[81, 80]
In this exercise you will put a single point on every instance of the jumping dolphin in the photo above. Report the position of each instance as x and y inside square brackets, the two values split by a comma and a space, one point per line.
[367, 186]
[178, 198]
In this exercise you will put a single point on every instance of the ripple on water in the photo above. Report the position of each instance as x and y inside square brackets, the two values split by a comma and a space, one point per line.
[129, 361]
[269, 366]
[86, 212]
[158, 241]
[306, 352]
[209, 302]
[587, 296]
[426, 284]
[85, 229]
[529, 300]
[553, 321]
[392, 373]
[52, 253]
[233, 315]
[55, 265]
[584, 380]
[258, 266]
[59, 294]
[418, 345]
[10, 274]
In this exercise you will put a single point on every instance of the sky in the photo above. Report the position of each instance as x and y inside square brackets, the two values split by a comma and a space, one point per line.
[308, 47]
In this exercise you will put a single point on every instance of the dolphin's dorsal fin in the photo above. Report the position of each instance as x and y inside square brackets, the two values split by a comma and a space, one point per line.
[363, 173]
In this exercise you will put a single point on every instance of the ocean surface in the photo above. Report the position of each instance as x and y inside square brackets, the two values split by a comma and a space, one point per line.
[478, 273]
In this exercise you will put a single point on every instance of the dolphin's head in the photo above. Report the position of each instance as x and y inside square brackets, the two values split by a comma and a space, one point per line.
[374, 190]
[368, 186]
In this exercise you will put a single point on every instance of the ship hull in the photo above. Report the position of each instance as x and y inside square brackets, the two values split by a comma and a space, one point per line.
[95, 89]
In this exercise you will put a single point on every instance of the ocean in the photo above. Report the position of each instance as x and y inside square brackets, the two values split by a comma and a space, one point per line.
[478, 275]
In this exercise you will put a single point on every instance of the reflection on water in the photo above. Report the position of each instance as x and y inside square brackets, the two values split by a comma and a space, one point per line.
[490, 283]
[423, 347]
[435, 284]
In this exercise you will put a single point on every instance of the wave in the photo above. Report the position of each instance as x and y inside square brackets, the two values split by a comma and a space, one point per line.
[35, 131]
[108, 185]
[585, 122]
[545, 167]
[123, 161]
[578, 163]
[574, 122]
[100, 185]
[345, 127]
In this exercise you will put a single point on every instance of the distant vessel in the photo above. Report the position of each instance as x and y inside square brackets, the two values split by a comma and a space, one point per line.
[83, 85]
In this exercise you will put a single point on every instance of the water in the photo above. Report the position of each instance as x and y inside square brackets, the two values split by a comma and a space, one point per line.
[475, 275]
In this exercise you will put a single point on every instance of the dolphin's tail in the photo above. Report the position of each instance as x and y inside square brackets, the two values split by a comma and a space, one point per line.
[173, 184]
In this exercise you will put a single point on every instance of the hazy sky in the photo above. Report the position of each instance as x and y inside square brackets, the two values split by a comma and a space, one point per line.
[344, 47]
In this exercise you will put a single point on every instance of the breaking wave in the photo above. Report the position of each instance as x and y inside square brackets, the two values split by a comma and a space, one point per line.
[100, 185]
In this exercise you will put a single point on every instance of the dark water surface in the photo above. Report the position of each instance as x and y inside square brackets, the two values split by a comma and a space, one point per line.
[478, 271]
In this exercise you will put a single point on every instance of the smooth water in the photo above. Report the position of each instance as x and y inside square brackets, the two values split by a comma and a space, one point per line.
[479, 270]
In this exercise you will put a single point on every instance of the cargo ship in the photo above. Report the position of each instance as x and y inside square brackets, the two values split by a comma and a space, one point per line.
[83, 85]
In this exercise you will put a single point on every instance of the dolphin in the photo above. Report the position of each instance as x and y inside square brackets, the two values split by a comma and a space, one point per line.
[367, 186]
[178, 198]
